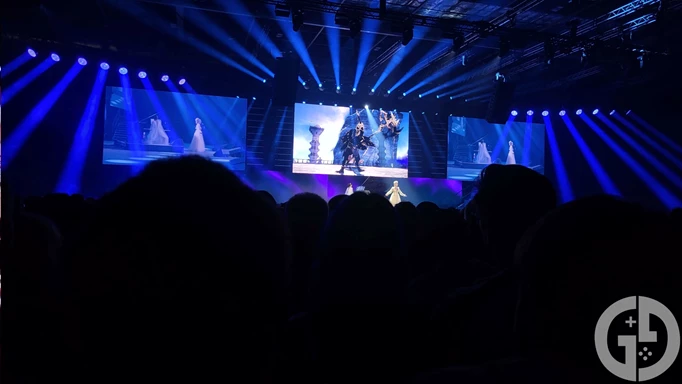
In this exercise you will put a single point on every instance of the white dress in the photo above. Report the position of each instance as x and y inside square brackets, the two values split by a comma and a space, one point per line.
[395, 193]
[483, 157]
[157, 135]
[197, 144]
[511, 159]
[349, 191]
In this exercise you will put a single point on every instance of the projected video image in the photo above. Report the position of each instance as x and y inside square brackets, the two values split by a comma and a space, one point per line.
[144, 125]
[473, 144]
[340, 140]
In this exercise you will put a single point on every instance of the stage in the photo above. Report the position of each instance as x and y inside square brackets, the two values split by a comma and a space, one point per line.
[462, 174]
[127, 157]
[331, 169]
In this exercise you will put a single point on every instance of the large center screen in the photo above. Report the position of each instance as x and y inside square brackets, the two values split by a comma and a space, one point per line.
[473, 144]
[142, 125]
[332, 140]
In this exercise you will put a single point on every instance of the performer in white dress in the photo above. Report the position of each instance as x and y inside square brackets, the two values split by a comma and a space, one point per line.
[511, 159]
[349, 189]
[197, 144]
[157, 135]
[395, 193]
[483, 156]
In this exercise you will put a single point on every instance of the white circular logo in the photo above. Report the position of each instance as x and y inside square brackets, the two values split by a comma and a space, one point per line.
[647, 352]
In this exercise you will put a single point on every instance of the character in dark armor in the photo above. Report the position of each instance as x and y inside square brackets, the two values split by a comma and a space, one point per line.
[352, 142]
[390, 128]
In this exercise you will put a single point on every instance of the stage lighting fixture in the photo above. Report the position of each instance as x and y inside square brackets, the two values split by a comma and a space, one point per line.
[182, 81]
[164, 78]
[320, 103]
[354, 91]
[354, 26]
[142, 74]
[303, 101]
[82, 61]
[628, 112]
[579, 112]
[451, 114]
[562, 112]
[371, 92]
[335, 105]
[297, 19]
[265, 80]
[388, 92]
[452, 97]
[253, 98]
[55, 57]
[404, 94]
[423, 113]
[408, 33]
[437, 96]
[420, 95]
[529, 113]
[123, 70]
[338, 88]
[366, 106]
[32, 53]
[104, 66]
[595, 111]
[513, 113]
[612, 112]
[545, 113]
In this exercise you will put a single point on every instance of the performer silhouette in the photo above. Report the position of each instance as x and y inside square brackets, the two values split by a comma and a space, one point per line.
[351, 144]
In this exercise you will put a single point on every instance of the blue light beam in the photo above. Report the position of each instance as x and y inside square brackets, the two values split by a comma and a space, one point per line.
[559, 168]
[334, 41]
[25, 80]
[14, 64]
[299, 45]
[242, 16]
[369, 26]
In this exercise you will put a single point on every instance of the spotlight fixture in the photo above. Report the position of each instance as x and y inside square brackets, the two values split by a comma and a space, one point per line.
[437, 96]
[595, 111]
[305, 85]
[371, 92]
[388, 92]
[612, 112]
[354, 91]
[265, 80]
[31, 52]
[338, 88]
[297, 19]
[350, 106]
[336, 105]
[164, 78]
[55, 57]
[253, 98]
[562, 112]
[513, 113]
[303, 101]
[320, 103]
[82, 61]
[104, 66]
[123, 71]
[423, 113]
[420, 95]
[579, 112]
[404, 94]
[366, 106]
[142, 74]
[182, 81]
[628, 112]
[529, 112]
[408, 33]
[452, 97]
[545, 113]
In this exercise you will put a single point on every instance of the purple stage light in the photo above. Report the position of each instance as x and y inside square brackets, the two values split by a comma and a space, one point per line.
[32, 53]
[182, 81]
[562, 113]
[595, 111]
[530, 112]
[513, 113]
[579, 112]
[82, 61]
[545, 113]
[104, 66]
[164, 78]
[55, 57]
[123, 71]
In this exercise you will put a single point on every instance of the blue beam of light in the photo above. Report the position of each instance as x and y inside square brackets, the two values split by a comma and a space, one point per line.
[662, 168]
[399, 56]
[467, 88]
[180, 100]
[259, 132]
[12, 145]
[14, 64]
[157, 23]
[219, 34]
[25, 80]
[643, 123]
[373, 125]
[430, 78]
[422, 141]
[436, 49]
[607, 185]
[133, 129]
[275, 142]
[439, 147]
[299, 45]
[369, 26]
[528, 133]
[334, 41]
[242, 16]
[70, 179]
[502, 141]
[565, 189]
[670, 200]
[674, 158]
[300, 80]
[151, 93]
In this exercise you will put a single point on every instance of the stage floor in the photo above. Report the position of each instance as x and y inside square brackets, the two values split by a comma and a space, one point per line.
[126, 157]
[331, 169]
[463, 174]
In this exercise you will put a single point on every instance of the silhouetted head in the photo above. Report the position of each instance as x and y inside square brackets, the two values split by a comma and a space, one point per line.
[335, 201]
[306, 214]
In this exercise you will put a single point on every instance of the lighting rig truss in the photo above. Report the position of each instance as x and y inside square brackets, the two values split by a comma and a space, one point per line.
[629, 8]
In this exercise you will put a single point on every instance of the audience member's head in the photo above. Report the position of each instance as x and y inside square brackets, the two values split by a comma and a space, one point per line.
[267, 196]
[335, 201]
[307, 214]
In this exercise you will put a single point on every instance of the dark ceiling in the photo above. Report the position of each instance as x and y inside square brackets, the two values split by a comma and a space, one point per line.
[600, 59]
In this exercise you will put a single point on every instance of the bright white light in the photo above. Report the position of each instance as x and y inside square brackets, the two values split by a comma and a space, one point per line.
[366, 106]
[164, 78]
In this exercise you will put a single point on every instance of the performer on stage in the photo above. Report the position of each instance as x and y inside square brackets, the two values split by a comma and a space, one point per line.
[390, 127]
[198, 144]
[157, 135]
[511, 159]
[349, 189]
[395, 193]
[351, 144]
[483, 156]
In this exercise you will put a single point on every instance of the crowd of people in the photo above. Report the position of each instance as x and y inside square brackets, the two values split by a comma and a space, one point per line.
[185, 274]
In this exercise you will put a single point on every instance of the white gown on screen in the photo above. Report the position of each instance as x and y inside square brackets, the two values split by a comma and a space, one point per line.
[197, 144]
[511, 159]
[157, 135]
[483, 156]
[395, 193]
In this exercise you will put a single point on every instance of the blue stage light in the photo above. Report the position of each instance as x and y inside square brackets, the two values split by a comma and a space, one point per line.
[55, 57]
[320, 103]
[32, 53]
[423, 113]
[437, 96]
[338, 88]
[319, 85]
[335, 105]
[452, 97]
[182, 81]
[253, 98]
[389, 91]
[579, 112]
[372, 90]
[366, 106]
[142, 74]
[355, 90]
[420, 95]
[265, 80]
[350, 106]
[404, 94]
[628, 112]
[529, 112]
[595, 111]
[612, 112]
[82, 61]
[303, 83]
[545, 113]
[303, 101]
[123, 70]
[562, 112]
[513, 113]
[164, 78]
[104, 66]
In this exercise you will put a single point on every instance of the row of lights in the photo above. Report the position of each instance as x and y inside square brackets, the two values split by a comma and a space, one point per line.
[562, 112]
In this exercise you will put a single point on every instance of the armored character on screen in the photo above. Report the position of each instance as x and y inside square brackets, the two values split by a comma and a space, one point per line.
[390, 129]
[351, 143]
